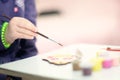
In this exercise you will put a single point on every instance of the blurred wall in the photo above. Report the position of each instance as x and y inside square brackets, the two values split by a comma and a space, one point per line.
[80, 21]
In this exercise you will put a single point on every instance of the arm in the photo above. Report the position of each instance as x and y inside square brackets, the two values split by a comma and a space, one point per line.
[28, 47]
[23, 30]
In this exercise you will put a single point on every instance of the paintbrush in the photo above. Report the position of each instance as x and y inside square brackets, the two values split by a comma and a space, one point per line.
[37, 32]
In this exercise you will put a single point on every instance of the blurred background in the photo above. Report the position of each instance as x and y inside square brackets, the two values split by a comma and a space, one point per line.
[77, 21]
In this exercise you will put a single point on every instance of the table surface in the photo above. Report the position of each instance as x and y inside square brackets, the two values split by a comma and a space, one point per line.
[35, 68]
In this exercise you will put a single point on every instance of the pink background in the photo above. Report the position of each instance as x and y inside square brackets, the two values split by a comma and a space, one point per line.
[81, 21]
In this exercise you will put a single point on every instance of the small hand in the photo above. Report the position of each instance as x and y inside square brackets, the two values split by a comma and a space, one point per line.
[20, 28]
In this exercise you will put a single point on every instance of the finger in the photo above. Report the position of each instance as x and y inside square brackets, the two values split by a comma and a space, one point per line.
[26, 32]
[24, 36]
[24, 23]
[28, 26]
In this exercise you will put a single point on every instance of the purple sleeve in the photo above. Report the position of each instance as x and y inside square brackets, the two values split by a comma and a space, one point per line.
[30, 10]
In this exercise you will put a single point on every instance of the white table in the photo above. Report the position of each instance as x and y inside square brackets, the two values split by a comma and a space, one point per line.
[35, 68]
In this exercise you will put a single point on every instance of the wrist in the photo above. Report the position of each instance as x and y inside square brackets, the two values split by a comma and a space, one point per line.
[3, 31]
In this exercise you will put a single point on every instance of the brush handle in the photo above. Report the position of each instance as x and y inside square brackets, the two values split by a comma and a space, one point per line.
[42, 35]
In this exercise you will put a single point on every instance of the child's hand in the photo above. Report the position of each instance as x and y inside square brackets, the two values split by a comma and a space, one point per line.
[20, 28]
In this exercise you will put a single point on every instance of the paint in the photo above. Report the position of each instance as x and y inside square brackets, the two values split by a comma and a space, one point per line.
[86, 68]
[97, 64]
[76, 64]
[115, 61]
[107, 63]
